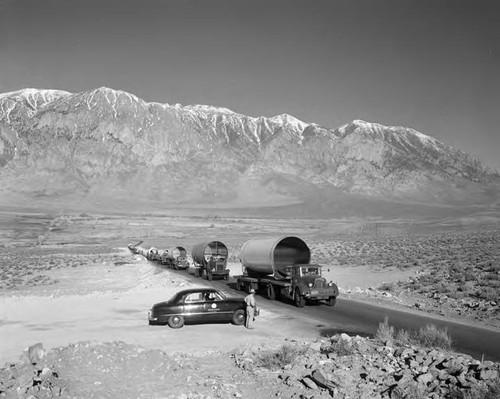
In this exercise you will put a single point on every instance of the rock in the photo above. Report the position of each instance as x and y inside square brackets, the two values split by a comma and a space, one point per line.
[486, 364]
[488, 374]
[345, 337]
[362, 345]
[463, 381]
[425, 379]
[36, 353]
[321, 381]
[404, 352]
[443, 375]
[316, 346]
[309, 383]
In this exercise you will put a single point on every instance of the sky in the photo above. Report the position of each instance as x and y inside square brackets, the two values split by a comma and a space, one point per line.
[432, 65]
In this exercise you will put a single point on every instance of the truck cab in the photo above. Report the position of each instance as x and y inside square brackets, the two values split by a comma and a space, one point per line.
[308, 284]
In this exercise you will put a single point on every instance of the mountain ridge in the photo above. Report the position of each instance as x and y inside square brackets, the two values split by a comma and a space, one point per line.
[105, 143]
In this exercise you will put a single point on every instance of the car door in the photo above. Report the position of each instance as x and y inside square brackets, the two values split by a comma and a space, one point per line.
[214, 307]
[193, 309]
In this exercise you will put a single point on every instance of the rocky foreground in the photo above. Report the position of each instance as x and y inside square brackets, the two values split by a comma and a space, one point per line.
[340, 366]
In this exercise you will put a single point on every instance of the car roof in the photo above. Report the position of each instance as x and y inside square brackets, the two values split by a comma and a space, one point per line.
[199, 289]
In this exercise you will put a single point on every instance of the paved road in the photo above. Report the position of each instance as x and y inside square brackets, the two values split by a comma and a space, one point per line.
[361, 318]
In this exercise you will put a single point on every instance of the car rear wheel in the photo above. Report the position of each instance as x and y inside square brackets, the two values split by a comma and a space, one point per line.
[175, 321]
[238, 317]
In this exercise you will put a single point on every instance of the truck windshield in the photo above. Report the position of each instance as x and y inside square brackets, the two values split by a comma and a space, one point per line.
[309, 271]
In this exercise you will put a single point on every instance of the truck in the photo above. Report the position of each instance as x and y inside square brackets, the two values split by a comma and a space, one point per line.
[178, 258]
[153, 254]
[210, 260]
[281, 268]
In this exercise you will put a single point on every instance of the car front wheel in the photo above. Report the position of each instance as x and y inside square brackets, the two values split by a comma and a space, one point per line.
[238, 317]
[175, 321]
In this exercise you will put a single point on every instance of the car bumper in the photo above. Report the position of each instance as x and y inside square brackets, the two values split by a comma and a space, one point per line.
[152, 319]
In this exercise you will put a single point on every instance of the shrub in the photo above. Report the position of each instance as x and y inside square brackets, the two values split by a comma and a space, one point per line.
[341, 347]
[432, 337]
[489, 392]
[279, 358]
[385, 332]
[387, 287]
[488, 293]
[403, 338]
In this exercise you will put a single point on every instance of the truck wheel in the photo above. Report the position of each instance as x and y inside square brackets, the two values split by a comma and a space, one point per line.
[196, 272]
[271, 295]
[238, 317]
[204, 274]
[175, 321]
[239, 286]
[300, 301]
[210, 276]
[331, 301]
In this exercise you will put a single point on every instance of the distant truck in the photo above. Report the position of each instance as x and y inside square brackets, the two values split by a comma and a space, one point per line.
[281, 268]
[178, 258]
[210, 260]
[153, 254]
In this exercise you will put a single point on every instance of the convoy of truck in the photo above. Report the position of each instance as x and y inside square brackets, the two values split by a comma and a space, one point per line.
[280, 267]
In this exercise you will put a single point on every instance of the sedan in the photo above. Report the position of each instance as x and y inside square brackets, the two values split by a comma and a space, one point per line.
[198, 305]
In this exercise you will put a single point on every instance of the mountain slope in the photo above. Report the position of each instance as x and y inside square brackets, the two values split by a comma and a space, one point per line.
[106, 145]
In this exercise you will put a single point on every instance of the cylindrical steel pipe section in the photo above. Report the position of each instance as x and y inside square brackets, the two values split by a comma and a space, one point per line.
[271, 255]
[178, 251]
[202, 252]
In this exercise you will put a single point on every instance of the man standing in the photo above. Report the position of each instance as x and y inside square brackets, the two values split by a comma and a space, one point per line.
[250, 301]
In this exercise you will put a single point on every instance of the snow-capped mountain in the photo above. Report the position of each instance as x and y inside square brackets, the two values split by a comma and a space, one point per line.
[108, 143]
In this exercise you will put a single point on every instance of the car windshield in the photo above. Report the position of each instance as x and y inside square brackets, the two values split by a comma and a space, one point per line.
[309, 271]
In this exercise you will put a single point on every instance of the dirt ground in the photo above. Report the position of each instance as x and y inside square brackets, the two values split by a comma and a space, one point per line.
[106, 302]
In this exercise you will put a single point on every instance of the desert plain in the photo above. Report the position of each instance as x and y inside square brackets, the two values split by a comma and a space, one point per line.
[68, 278]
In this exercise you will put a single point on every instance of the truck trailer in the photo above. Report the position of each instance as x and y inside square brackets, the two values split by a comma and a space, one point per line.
[281, 268]
[210, 260]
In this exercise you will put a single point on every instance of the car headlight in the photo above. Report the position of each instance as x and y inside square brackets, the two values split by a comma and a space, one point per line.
[330, 284]
[310, 285]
